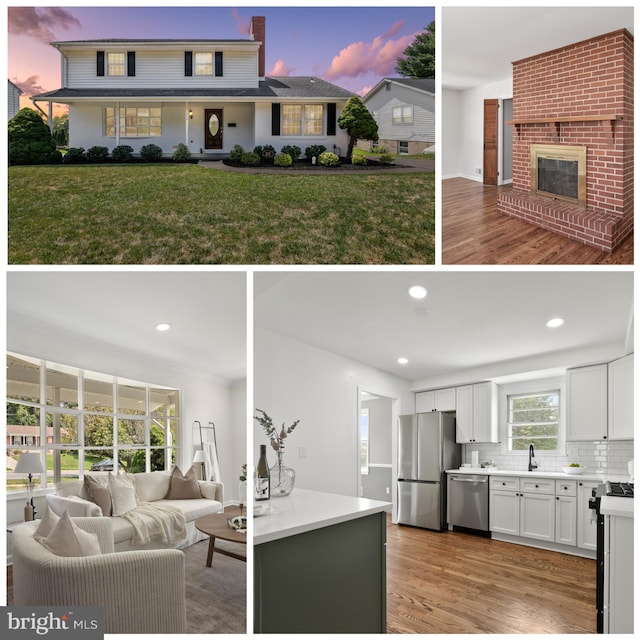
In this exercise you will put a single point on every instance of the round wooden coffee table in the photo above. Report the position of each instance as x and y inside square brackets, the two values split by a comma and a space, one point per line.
[215, 526]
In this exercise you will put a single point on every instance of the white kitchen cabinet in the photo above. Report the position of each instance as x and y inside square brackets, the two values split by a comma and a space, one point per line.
[566, 520]
[587, 403]
[477, 413]
[587, 532]
[620, 374]
[537, 516]
[619, 607]
[436, 400]
[504, 512]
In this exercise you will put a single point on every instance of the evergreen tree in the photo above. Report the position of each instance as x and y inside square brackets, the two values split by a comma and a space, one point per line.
[419, 59]
[358, 122]
[30, 140]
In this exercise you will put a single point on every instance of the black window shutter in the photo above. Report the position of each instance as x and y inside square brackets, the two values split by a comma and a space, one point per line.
[218, 63]
[100, 63]
[275, 119]
[331, 119]
[131, 63]
[188, 63]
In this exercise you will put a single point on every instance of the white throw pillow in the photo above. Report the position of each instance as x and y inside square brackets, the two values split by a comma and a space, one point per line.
[151, 486]
[69, 540]
[123, 494]
[48, 522]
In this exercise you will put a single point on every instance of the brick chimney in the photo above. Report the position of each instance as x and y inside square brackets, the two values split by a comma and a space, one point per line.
[257, 30]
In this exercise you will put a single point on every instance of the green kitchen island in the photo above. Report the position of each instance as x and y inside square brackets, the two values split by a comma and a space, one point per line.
[320, 565]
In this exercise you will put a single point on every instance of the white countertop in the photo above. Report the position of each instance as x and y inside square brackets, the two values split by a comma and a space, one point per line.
[612, 506]
[589, 477]
[305, 510]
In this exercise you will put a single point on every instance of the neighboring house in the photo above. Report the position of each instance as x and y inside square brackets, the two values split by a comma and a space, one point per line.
[404, 109]
[13, 101]
[207, 94]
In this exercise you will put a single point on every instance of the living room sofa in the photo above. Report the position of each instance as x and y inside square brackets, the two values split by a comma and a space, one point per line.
[151, 488]
[141, 591]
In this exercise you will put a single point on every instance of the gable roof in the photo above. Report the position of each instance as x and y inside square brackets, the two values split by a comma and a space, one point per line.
[279, 87]
[426, 85]
[16, 87]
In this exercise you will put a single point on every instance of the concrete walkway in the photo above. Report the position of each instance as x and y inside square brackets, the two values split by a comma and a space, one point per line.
[402, 165]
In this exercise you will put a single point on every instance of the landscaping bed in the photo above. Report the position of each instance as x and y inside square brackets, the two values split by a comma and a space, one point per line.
[305, 165]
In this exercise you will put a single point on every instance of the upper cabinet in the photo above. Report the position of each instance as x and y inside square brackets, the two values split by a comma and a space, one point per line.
[600, 401]
[477, 413]
[587, 403]
[621, 398]
[438, 400]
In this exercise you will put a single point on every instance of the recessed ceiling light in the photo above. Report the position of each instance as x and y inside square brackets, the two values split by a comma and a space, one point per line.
[417, 291]
[555, 322]
[163, 326]
[403, 361]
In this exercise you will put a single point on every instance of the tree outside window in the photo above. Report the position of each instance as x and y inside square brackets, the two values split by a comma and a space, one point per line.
[534, 419]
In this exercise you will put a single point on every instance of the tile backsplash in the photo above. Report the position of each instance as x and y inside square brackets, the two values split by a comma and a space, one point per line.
[598, 456]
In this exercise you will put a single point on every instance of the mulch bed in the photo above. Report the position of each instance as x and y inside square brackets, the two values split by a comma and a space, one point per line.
[305, 165]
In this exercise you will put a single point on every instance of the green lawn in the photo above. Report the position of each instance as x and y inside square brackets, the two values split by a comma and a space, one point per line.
[186, 214]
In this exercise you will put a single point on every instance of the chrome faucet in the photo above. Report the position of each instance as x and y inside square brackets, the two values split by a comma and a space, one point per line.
[532, 463]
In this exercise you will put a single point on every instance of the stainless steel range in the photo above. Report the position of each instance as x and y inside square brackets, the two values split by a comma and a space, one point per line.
[618, 490]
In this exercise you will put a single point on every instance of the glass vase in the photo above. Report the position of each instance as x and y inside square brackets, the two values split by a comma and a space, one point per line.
[281, 478]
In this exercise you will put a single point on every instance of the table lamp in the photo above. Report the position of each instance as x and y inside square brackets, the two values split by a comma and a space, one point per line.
[30, 464]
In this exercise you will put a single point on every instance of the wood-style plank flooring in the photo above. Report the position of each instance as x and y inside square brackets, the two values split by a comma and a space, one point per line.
[455, 582]
[474, 232]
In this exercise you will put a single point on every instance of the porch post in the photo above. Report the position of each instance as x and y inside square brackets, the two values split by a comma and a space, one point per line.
[50, 116]
[186, 124]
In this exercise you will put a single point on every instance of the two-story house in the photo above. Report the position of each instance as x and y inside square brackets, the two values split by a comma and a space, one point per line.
[207, 94]
[404, 109]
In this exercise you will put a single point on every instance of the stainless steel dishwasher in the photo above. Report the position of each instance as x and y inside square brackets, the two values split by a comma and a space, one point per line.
[468, 501]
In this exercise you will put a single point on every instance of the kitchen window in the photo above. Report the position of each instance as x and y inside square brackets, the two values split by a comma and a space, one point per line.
[534, 418]
[80, 421]
[302, 119]
[135, 122]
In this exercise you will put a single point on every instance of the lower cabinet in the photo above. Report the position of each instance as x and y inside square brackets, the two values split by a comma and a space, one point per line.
[541, 509]
[587, 529]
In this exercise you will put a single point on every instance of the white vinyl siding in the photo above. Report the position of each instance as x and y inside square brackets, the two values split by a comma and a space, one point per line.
[399, 101]
[13, 101]
[162, 69]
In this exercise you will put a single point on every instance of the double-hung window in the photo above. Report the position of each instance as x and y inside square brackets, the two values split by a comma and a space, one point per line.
[116, 64]
[204, 64]
[402, 115]
[534, 418]
[302, 119]
[135, 122]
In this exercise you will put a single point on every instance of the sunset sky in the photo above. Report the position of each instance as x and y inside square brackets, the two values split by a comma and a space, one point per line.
[352, 47]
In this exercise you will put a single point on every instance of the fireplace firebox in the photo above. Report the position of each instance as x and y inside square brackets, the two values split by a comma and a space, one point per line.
[559, 172]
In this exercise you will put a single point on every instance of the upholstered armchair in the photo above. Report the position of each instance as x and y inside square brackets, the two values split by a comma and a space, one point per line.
[141, 591]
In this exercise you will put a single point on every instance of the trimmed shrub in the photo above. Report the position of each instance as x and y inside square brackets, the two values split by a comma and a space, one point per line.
[328, 159]
[283, 160]
[250, 158]
[292, 150]
[361, 160]
[314, 151]
[235, 155]
[266, 153]
[97, 154]
[387, 158]
[150, 153]
[30, 140]
[181, 153]
[74, 155]
[122, 153]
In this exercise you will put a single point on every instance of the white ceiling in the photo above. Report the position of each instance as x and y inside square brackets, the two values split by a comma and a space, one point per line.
[468, 320]
[206, 310]
[480, 43]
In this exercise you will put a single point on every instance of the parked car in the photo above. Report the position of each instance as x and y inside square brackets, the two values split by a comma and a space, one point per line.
[103, 465]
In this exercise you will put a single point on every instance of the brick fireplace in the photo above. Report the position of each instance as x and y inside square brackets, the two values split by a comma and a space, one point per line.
[576, 97]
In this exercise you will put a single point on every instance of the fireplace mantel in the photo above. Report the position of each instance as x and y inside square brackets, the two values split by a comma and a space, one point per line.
[559, 120]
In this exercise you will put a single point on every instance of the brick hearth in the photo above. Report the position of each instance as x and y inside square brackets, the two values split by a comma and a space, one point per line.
[581, 94]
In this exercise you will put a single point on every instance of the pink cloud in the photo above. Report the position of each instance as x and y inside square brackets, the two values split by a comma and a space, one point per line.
[40, 22]
[242, 24]
[30, 87]
[363, 92]
[378, 56]
[280, 68]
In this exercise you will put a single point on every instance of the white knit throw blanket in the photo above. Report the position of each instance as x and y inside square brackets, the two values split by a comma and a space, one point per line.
[156, 523]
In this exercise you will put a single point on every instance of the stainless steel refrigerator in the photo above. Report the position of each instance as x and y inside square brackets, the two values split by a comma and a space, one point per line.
[426, 448]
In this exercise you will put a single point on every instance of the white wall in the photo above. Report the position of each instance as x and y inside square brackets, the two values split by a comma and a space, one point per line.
[463, 148]
[293, 380]
[204, 398]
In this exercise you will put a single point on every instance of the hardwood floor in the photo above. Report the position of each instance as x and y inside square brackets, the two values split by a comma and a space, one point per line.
[461, 583]
[474, 232]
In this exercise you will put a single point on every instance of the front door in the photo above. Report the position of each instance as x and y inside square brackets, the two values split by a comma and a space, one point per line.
[213, 128]
[490, 168]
